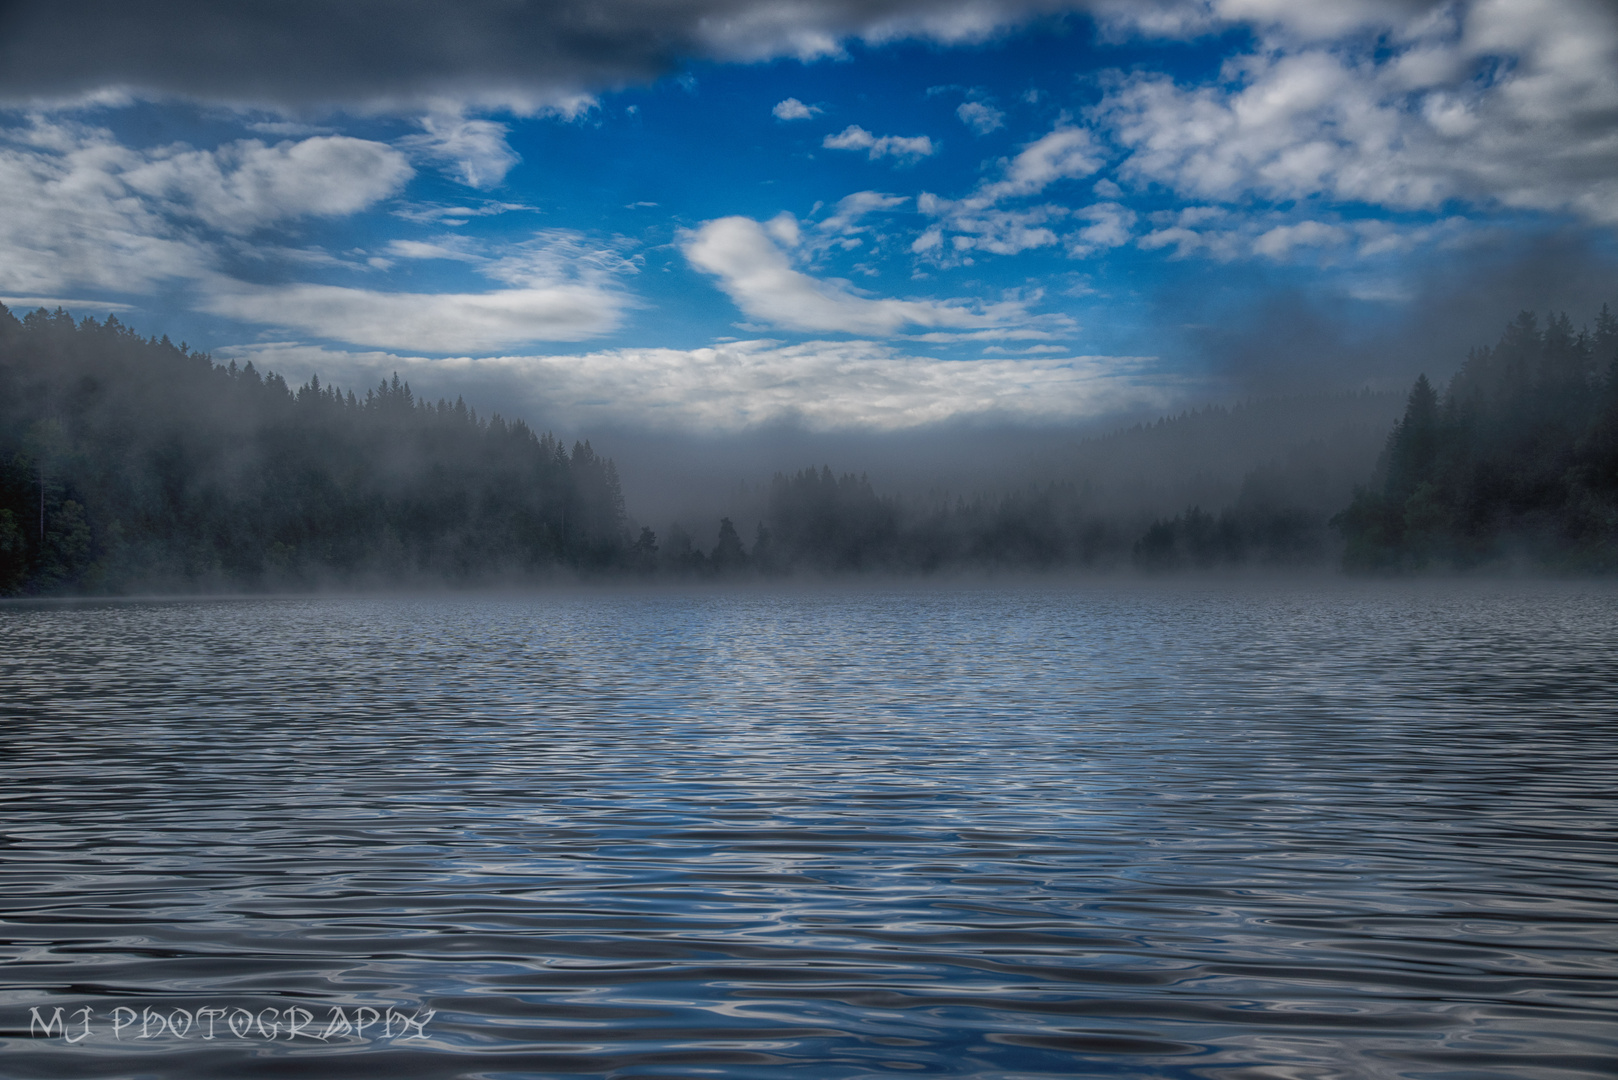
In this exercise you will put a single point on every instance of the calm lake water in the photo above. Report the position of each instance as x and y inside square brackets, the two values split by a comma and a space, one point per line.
[1292, 832]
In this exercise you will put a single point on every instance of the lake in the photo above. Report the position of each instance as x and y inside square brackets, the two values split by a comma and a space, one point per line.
[1290, 830]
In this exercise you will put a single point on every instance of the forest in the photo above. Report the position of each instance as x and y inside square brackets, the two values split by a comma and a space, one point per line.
[1516, 462]
[129, 464]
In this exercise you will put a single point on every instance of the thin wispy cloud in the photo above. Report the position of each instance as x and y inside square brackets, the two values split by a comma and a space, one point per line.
[474, 152]
[433, 322]
[979, 221]
[754, 269]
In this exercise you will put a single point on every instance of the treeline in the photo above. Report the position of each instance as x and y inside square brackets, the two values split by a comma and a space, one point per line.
[1516, 461]
[132, 464]
[129, 463]
[819, 522]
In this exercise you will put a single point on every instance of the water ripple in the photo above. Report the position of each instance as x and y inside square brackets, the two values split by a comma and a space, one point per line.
[1192, 831]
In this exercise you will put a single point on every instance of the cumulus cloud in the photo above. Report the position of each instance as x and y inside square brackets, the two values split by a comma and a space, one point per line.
[981, 117]
[1300, 19]
[822, 385]
[68, 222]
[245, 185]
[1110, 225]
[757, 274]
[793, 109]
[1402, 103]
[1185, 241]
[905, 148]
[1277, 243]
[80, 210]
[1065, 153]
[1215, 233]
[1496, 102]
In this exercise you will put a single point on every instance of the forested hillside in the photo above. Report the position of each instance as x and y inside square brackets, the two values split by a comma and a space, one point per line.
[131, 464]
[1516, 461]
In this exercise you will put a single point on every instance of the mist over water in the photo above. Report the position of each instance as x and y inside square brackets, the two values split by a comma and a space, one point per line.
[1315, 448]
[1332, 830]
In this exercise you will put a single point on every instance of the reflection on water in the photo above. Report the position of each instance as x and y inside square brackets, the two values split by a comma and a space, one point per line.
[1285, 832]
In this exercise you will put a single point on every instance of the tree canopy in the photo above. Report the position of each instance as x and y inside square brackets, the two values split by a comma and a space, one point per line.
[1517, 460]
[130, 463]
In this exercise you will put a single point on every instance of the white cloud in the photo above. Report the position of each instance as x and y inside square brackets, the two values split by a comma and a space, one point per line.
[474, 152]
[78, 305]
[930, 240]
[1065, 153]
[80, 211]
[1000, 232]
[431, 322]
[1185, 241]
[1301, 19]
[1031, 350]
[288, 128]
[784, 228]
[1383, 238]
[793, 109]
[902, 147]
[555, 256]
[811, 29]
[847, 219]
[823, 385]
[1221, 235]
[435, 214]
[979, 224]
[245, 185]
[982, 118]
[67, 220]
[1277, 243]
[452, 247]
[757, 274]
[1110, 226]
[563, 289]
[1505, 103]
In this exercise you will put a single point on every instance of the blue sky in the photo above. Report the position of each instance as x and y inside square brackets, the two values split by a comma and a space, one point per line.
[842, 216]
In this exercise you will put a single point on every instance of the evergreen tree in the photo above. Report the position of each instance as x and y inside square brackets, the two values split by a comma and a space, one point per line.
[1519, 460]
[134, 463]
[728, 555]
